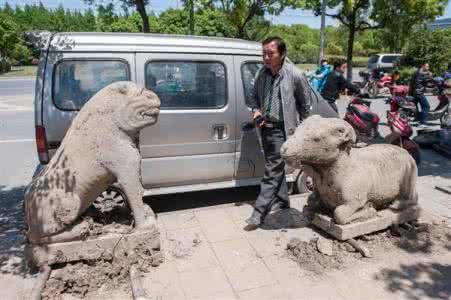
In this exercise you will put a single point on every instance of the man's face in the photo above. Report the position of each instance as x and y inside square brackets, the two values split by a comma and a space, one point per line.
[271, 56]
[426, 67]
[343, 68]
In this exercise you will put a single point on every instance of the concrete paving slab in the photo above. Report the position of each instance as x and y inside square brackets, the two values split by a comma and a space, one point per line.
[242, 265]
[189, 249]
[205, 283]
[218, 225]
[179, 220]
[265, 293]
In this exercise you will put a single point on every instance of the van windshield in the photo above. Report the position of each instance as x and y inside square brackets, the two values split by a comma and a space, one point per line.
[76, 81]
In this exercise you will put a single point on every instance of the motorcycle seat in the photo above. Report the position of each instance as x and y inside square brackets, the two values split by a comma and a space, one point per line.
[367, 116]
[410, 98]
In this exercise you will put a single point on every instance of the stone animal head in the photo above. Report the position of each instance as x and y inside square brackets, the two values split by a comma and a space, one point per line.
[138, 107]
[127, 105]
[318, 141]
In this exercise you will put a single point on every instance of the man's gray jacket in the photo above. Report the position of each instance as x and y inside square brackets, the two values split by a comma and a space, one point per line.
[295, 95]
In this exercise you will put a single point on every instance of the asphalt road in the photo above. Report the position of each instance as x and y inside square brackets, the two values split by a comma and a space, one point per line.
[17, 147]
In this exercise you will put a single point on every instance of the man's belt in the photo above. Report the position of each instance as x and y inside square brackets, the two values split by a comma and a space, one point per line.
[274, 124]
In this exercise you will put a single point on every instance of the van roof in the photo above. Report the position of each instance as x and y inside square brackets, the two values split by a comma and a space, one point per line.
[141, 42]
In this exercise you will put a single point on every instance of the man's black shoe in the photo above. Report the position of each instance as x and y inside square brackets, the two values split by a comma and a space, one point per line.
[253, 222]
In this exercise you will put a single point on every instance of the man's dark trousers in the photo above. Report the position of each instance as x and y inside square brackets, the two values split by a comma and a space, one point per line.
[273, 187]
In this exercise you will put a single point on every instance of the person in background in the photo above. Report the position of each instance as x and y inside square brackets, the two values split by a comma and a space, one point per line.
[321, 73]
[417, 90]
[280, 100]
[336, 83]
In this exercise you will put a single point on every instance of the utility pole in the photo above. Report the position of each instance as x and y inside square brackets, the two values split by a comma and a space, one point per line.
[323, 30]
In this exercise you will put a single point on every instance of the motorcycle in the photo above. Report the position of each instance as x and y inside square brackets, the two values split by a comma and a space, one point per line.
[400, 101]
[366, 124]
[401, 133]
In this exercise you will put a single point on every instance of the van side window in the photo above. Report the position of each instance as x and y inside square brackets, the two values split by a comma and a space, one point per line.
[188, 84]
[76, 81]
[388, 59]
[248, 72]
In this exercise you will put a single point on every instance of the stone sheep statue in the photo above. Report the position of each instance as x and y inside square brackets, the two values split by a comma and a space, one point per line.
[351, 182]
[99, 149]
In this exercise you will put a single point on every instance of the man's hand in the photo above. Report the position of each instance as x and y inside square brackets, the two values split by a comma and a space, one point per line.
[256, 114]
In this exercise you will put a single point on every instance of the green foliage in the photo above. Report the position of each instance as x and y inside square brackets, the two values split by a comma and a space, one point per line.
[8, 35]
[5, 66]
[309, 53]
[21, 54]
[429, 46]
[333, 49]
[406, 73]
[212, 23]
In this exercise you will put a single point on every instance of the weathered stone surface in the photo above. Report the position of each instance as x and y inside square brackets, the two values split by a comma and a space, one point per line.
[99, 149]
[325, 246]
[351, 182]
[384, 219]
[91, 249]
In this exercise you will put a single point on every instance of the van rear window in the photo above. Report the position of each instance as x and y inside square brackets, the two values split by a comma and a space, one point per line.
[76, 81]
[188, 84]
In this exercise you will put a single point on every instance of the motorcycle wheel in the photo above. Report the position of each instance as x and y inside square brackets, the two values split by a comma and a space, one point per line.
[373, 90]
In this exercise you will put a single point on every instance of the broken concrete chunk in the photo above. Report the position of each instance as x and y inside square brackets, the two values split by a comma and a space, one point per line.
[325, 246]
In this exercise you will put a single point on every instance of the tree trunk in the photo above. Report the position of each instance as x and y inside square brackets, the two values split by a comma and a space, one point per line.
[350, 49]
[141, 8]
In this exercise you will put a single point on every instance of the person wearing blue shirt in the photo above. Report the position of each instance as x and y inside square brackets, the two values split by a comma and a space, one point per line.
[320, 75]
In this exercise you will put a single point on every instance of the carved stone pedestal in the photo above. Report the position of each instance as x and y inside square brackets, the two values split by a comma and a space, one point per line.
[384, 219]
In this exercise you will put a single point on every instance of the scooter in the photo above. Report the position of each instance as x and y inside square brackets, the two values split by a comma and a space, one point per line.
[362, 119]
[401, 102]
[401, 133]
[366, 124]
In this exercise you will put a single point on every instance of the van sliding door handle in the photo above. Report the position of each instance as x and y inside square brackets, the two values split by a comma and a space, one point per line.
[220, 132]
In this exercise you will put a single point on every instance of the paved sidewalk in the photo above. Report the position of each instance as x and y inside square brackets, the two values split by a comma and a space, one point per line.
[210, 256]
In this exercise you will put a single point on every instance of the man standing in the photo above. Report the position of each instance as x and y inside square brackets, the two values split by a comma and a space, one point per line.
[417, 89]
[280, 100]
[336, 83]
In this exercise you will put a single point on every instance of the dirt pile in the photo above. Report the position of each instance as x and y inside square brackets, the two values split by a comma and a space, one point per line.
[81, 278]
[412, 238]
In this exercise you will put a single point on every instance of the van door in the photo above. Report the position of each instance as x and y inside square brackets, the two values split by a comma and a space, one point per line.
[194, 139]
[250, 160]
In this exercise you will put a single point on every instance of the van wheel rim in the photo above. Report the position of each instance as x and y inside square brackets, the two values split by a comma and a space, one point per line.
[110, 199]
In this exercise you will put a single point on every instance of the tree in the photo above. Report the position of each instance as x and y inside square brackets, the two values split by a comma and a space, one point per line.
[408, 15]
[139, 5]
[247, 16]
[360, 15]
[9, 36]
[433, 47]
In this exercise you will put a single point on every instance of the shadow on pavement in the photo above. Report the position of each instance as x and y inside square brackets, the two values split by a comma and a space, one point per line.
[418, 281]
[181, 201]
[434, 164]
[12, 229]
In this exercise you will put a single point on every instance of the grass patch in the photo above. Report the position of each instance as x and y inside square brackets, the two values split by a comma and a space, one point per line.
[21, 71]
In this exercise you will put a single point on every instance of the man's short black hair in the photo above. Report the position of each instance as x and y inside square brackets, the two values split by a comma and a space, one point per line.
[338, 63]
[323, 61]
[281, 46]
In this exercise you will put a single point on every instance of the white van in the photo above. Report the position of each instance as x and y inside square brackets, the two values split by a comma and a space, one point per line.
[205, 137]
